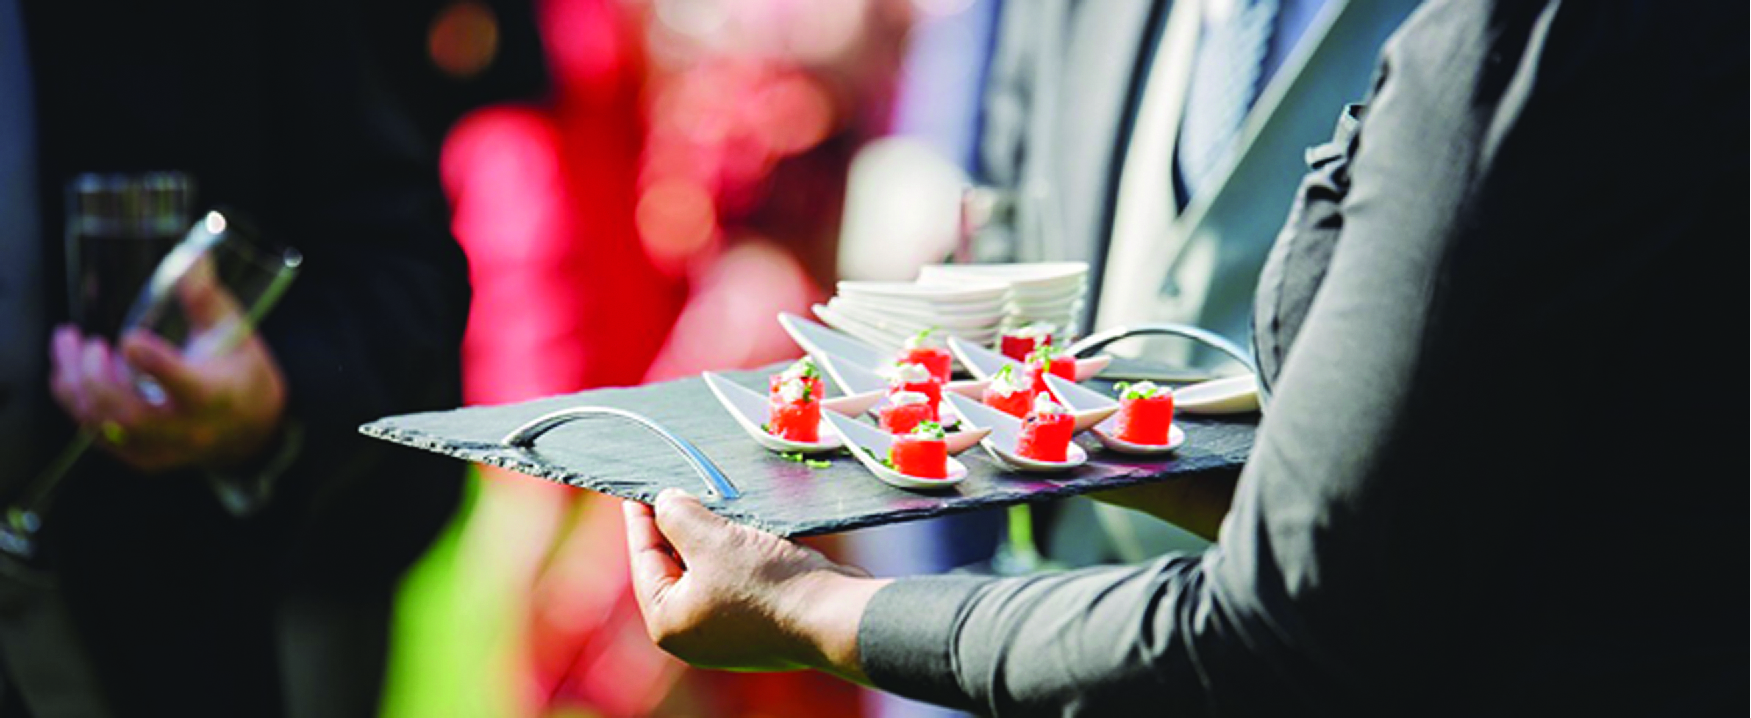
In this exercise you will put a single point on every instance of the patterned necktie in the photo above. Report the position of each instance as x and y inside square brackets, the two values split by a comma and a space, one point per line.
[1225, 81]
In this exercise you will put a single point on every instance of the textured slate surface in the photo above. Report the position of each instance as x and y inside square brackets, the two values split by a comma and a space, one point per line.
[622, 459]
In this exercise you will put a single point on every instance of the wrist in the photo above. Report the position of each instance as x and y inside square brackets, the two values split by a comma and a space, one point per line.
[256, 409]
[826, 610]
[251, 444]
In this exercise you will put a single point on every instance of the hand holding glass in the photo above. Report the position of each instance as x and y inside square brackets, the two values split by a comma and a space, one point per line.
[191, 384]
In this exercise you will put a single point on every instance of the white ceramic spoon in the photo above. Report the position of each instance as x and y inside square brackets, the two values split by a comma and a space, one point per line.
[1006, 435]
[854, 404]
[984, 363]
[749, 409]
[1175, 437]
[820, 340]
[1228, 395]
[848, 403]
[967, 438]
[870, 445]
[851, 378]
[855, 380]
[1087, 406]
[1081, 398]
[868, 333]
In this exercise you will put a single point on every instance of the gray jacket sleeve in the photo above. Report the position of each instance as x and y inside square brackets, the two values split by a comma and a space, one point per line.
[1349, 573]
[1235, 626]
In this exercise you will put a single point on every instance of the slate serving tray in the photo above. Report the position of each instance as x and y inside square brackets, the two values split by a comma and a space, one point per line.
[622, 459]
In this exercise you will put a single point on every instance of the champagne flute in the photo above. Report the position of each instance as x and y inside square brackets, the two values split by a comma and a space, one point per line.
[215, 249]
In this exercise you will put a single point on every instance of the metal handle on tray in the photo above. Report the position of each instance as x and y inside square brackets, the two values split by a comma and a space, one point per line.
[1095, 342]
[523, 437]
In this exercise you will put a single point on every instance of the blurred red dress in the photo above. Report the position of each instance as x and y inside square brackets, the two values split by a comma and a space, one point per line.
[587, 223]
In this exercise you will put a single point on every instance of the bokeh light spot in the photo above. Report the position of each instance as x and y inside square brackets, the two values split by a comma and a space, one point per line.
[463, 39]
[796, 114]
[675, 219]
[728, 321]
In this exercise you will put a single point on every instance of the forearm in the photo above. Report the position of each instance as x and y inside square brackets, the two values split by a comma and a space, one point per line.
[1095, 642]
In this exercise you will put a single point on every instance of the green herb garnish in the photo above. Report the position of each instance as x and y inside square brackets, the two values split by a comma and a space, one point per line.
[802, 371]
[798, 457]
[1140, 390]
[1043, 354]
[921, 339]
[802, 368]
[929, 429]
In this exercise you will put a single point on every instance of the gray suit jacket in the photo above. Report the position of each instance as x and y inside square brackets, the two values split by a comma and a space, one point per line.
[1058, 103]
[1063, 90]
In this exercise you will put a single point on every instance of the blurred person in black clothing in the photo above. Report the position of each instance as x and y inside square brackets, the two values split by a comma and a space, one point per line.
[253, 574]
